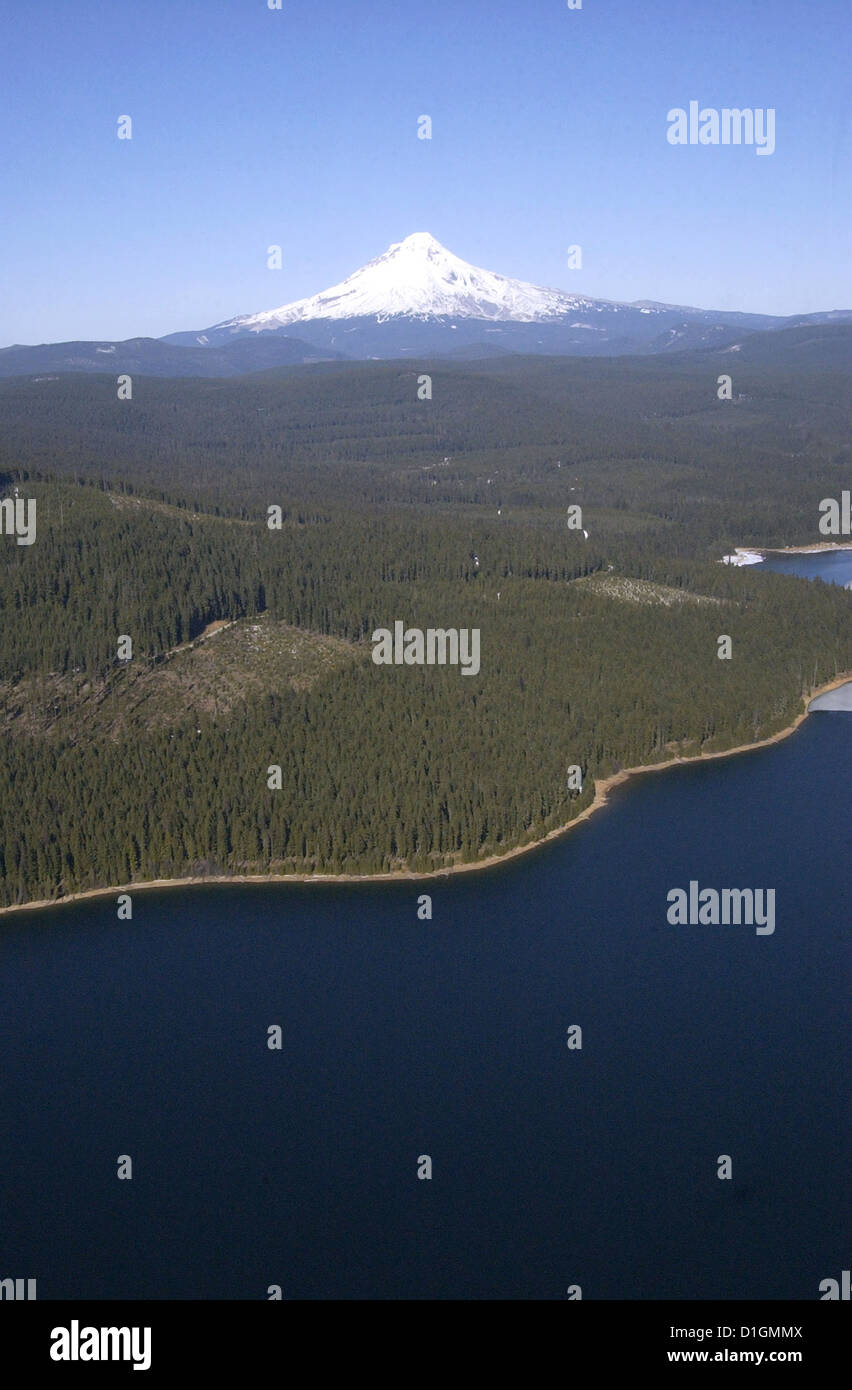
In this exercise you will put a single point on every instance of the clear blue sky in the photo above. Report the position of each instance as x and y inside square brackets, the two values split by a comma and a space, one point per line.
[298, 127]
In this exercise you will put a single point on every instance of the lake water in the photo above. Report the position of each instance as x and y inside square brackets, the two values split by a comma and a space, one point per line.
[402, 1038]
[834, 567]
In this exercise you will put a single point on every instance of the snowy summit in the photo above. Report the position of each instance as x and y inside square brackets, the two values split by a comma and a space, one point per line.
[419, 278]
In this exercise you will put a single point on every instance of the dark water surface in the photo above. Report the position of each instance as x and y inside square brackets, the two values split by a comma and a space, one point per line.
[402, 1038]
[448, 1038]
[834, 567]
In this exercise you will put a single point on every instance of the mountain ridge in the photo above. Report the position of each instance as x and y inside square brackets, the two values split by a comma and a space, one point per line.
[416, 300]
[419, 298]
[419, 278]
[827, 347]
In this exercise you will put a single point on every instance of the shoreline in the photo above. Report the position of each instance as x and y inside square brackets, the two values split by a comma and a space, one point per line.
[754, 555]
[603, 788]
[805, 549]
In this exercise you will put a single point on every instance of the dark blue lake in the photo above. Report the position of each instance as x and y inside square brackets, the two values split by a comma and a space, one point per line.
[447, 1038]
[834, 567]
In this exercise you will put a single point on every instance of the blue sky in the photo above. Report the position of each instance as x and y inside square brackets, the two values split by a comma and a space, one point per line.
[298, 127]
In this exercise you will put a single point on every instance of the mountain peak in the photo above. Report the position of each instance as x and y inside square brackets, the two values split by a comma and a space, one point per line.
[418, 241]
[432, 301]
[418, 278]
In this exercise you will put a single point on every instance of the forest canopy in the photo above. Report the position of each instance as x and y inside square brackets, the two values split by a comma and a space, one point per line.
[598, 643]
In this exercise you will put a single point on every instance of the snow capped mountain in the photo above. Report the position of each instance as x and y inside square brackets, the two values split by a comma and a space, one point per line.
[419, 278]
[419, 300]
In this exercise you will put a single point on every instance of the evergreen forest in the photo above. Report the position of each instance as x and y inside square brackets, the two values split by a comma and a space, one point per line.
[251, 642]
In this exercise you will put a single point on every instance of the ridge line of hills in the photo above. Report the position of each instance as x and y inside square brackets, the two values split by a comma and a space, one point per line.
[417, 300]
[827, 345]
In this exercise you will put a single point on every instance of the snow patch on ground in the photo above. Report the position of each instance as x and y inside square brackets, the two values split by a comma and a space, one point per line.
[743, 557]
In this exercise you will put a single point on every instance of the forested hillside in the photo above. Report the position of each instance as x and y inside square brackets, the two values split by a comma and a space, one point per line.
[451, 512]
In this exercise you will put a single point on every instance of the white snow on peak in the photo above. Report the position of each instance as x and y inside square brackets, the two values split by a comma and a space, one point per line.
[420, 278]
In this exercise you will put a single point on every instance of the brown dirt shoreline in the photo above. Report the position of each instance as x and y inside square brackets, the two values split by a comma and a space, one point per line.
[800, 549]
[602, 791]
